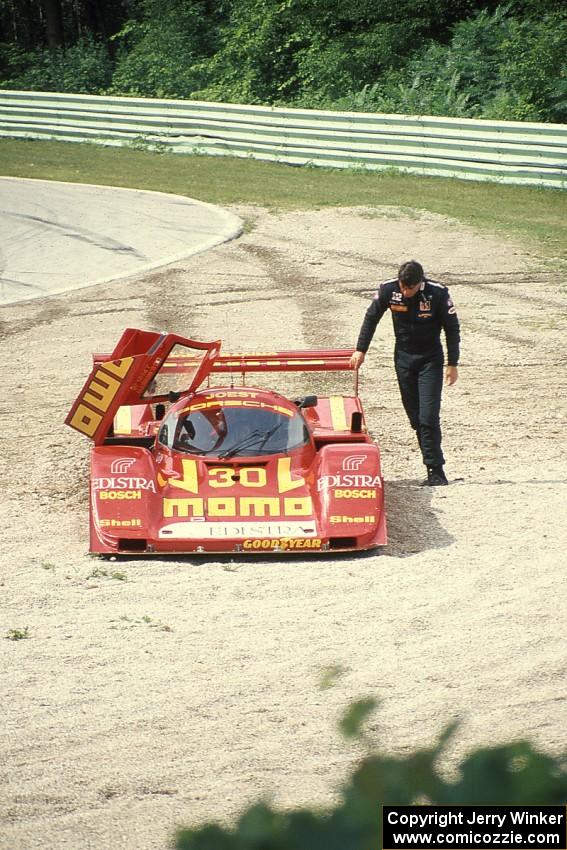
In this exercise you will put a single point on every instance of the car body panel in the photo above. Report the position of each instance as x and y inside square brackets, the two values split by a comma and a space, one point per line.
[227, 469]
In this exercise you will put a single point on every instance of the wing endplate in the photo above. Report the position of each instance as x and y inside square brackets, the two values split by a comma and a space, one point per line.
[123, 378]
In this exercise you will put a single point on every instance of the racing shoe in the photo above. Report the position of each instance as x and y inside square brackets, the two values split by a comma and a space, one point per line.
[436, 477]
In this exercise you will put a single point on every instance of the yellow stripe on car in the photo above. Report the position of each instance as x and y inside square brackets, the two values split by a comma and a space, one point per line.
[338, 415]
[123, 420]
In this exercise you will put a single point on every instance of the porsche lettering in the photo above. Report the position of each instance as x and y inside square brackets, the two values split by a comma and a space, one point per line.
[120, 483]
[238, 402]
[245, 506]
[328, 481]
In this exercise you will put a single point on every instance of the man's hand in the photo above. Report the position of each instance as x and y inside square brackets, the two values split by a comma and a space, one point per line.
[451, 375]
[357, 359]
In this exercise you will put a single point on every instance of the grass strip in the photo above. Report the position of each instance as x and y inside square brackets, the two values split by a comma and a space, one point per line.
[537, 215]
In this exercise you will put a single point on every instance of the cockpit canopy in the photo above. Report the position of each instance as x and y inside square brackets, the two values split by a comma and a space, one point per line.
[224, 431]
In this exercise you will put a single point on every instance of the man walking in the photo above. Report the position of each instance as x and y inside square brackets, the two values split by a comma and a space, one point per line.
[420, 308]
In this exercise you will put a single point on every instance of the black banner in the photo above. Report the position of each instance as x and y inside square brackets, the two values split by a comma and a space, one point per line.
[480, 827]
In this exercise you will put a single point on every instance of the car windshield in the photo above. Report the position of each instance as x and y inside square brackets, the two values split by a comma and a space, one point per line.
[233, 431]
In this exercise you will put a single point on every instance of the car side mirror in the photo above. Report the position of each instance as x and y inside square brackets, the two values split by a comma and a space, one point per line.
[356, 422]
[306, 401]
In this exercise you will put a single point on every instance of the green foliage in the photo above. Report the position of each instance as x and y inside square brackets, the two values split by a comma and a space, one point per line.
[533, 71]
[311, 53]
[98, 572]
[471, 58]
[352, 721]
[256, 59]
[330, 675]
[18, 634]
[495, 66]
[85, 67]
[160, 50]
[512, 774]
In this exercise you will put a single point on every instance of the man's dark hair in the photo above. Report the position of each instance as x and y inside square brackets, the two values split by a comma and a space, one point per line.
[410, 273]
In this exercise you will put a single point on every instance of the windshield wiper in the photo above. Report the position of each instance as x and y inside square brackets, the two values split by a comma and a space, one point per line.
[182, 447]
[271, 433]
[251, 438]
[243, 444]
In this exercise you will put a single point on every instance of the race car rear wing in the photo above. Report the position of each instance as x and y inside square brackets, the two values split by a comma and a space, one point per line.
[128, 376]
[146, 367]
[310, 360]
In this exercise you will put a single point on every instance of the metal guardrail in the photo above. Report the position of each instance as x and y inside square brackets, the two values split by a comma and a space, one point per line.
[504, 151]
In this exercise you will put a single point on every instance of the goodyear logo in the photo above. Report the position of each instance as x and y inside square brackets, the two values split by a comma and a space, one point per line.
[284, 543]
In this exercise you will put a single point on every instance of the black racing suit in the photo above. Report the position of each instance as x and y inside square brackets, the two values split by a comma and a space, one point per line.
[418, 354]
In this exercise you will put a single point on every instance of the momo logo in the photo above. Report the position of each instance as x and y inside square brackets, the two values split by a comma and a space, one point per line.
[98, 396]
[121, 465]
[353, 462]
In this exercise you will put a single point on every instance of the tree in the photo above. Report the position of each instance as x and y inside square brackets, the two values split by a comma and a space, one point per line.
[512, 774]
[53, 23]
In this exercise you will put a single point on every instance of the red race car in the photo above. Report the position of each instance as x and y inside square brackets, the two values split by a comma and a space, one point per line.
[178, 467]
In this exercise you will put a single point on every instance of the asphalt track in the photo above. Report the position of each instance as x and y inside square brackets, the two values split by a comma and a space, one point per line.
[56, 237]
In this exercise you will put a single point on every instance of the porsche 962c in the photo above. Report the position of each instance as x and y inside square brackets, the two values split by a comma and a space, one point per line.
[181, 465]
